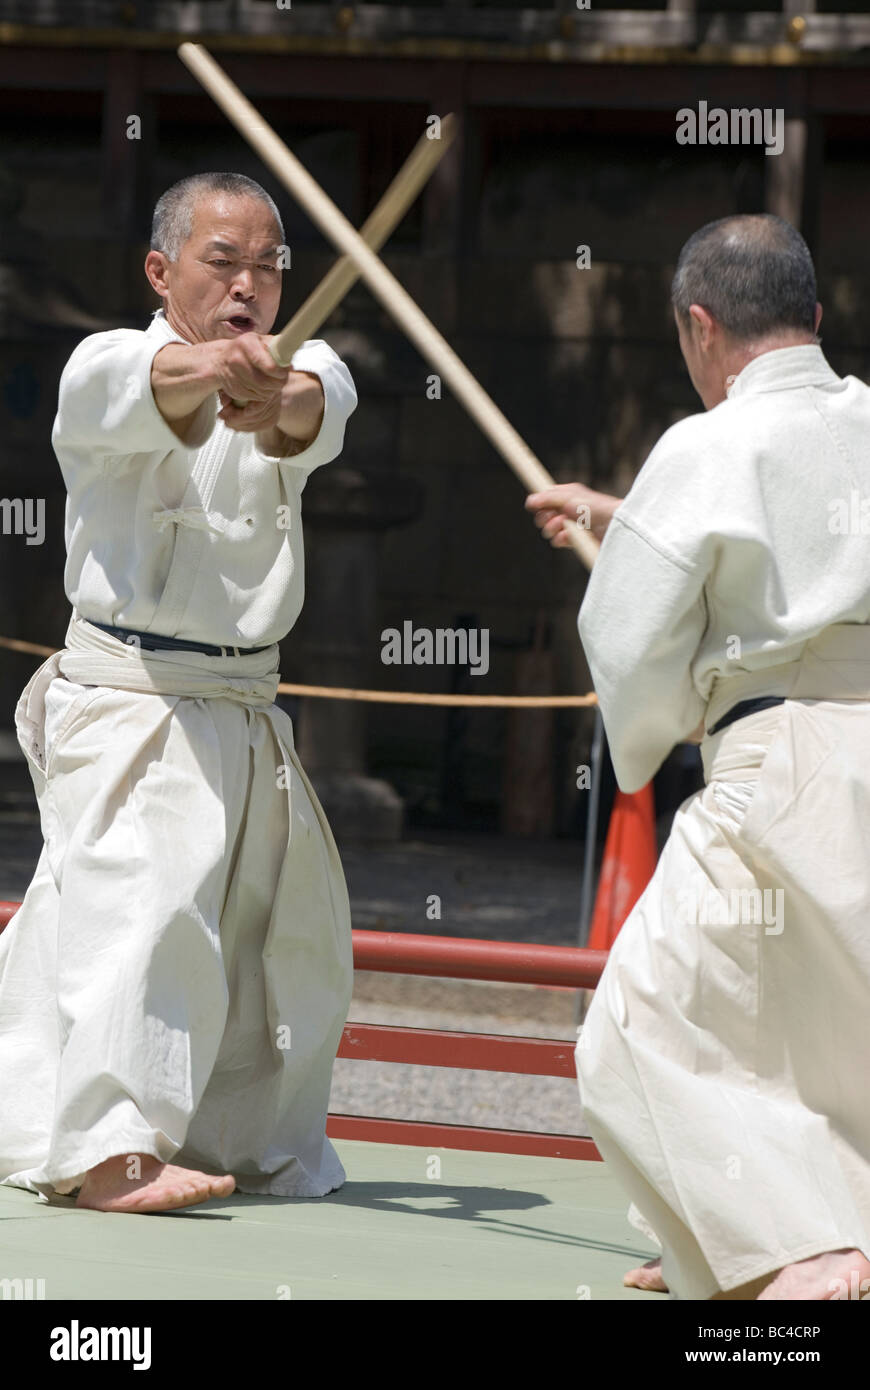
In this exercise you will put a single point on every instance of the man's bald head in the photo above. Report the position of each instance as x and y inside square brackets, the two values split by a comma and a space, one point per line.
[753, 273]
[173, 217]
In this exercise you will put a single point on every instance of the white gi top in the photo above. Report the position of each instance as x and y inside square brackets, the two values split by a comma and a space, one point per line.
[202, 543]
[740, 539]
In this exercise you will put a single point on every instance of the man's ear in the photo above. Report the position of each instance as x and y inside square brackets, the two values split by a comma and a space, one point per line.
[156, 266]
[818, 318]
[704, 323]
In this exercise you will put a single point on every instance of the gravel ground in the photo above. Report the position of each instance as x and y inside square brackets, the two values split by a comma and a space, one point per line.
[488, 887]
[452, 1095]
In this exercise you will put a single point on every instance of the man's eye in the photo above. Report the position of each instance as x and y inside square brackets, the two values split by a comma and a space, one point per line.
[269, 267]
[219, 263]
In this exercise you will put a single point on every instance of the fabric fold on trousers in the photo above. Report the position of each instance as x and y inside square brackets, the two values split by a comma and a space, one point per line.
[178, 976]
[721, 1066]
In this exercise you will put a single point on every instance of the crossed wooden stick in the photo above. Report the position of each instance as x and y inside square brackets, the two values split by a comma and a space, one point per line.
[360, 260]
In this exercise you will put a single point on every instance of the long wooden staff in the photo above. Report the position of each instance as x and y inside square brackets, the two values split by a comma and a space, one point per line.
[389, 212]
[383, 285]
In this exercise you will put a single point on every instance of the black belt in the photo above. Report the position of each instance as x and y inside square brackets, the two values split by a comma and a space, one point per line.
[746, 707]
[152, 642]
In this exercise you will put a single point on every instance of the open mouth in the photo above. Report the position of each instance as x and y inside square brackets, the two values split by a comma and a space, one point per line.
[242, 323]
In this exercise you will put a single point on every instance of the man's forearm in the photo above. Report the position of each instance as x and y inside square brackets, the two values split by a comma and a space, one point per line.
[302, 409]
[182, 377]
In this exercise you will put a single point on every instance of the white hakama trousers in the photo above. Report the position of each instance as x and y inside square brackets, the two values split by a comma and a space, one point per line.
[178, 976]
[723, 1064]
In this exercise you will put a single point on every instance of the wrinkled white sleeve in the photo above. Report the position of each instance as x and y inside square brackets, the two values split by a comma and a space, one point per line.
[642, 618]
[339, 403]
[106, 407]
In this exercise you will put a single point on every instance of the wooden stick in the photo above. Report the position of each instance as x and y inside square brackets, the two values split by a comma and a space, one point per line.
[389, 212]
[383, 285]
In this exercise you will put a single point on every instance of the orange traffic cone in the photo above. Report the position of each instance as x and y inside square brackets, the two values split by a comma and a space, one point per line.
[630, 854]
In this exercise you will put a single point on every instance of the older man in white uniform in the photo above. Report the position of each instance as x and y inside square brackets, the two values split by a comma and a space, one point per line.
[175, 983]
[722, 1066]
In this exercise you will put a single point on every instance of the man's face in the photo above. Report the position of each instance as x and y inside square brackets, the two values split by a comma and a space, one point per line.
[226, 280]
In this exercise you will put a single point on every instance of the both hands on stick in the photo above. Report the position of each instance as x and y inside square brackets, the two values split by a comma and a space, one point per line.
[276, 399]
[250, 383]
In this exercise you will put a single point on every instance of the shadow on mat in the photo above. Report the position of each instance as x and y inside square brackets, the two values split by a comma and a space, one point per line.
[419, 1199]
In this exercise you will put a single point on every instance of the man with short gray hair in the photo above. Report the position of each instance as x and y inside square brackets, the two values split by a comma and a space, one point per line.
[175, 983]
[722, 1063]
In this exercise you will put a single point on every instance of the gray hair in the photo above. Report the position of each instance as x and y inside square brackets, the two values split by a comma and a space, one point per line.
[752, 272]
[173, 215]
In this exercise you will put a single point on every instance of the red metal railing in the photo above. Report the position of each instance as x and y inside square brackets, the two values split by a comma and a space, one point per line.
[460, 958]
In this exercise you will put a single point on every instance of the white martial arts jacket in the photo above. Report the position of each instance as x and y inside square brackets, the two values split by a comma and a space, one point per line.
[202, 543]
[744, 535]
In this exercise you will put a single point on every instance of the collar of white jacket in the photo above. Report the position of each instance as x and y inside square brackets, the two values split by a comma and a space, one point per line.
[780, 369]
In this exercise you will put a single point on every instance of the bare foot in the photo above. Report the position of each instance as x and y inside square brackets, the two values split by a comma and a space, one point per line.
[834, 1274]
[648, 1276]
[154, 1186]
